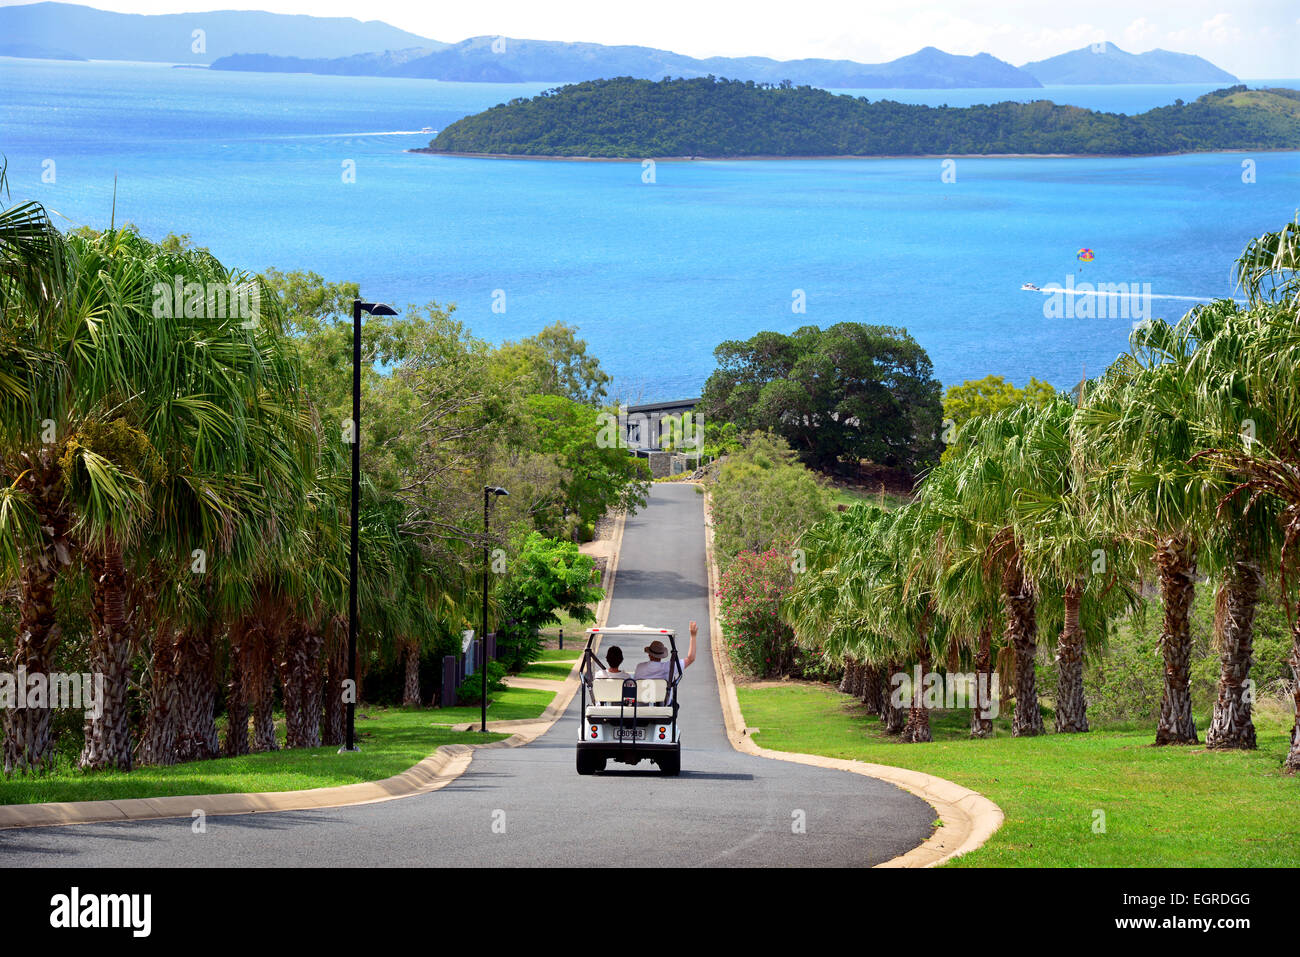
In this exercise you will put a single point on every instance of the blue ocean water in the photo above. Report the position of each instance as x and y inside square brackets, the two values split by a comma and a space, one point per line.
[655, 274]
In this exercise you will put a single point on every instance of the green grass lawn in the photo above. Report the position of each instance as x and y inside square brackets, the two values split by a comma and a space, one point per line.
[513, 704]
[567, 653]
[391, 740]
[575, 632]
[554, 670]
[1163, 807]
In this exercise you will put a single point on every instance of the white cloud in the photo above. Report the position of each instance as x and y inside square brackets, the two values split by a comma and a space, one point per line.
[1140, 35]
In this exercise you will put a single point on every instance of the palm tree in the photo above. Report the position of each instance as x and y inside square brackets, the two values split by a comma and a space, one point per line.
[986, 452]
[1263, 466]
[1138, 431]
[1267, 472]
[76, 354]
[830, 607]
[1068, 552]
[965, 592]
[1241, 540]
[917, 536]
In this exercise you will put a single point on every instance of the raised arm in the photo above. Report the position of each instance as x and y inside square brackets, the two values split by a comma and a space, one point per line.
[690, 652]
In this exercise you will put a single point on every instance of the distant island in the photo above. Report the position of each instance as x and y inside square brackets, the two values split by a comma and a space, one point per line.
[1106, 63]
[70, 31]
[506, 60]
[252, 40]
[627, 118]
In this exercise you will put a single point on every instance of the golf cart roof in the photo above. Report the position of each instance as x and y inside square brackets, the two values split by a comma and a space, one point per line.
[631, 631]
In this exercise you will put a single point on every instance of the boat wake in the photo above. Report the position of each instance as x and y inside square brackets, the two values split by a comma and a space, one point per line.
[1126, 295]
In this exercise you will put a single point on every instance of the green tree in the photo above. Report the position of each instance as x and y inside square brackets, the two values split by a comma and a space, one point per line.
[977, 397]
[974, 397]
[597, 477]
[837, 396]
[553, 362]
[544, 577]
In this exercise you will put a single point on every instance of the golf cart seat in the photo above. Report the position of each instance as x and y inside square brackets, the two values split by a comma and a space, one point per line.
[607, 695]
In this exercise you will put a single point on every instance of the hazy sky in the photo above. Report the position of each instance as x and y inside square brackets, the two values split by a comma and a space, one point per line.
[1251, 38]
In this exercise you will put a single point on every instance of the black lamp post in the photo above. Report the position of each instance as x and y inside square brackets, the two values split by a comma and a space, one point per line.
[375, 309]
[489, 492]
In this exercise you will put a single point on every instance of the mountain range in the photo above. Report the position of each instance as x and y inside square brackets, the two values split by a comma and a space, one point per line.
[281, 43]
[508, 60]
[71, 31]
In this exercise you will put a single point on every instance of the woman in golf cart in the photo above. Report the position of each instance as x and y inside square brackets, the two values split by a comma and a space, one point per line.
[615, 670]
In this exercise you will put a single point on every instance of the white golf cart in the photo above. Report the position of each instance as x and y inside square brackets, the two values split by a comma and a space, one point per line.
[626, 720]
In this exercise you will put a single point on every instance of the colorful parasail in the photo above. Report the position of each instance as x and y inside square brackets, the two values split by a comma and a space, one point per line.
[1086, 256]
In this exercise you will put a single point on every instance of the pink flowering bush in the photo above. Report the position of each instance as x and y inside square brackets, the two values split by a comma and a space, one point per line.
[749, 597]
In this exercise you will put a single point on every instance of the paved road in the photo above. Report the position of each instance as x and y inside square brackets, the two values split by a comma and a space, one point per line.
[726, 808]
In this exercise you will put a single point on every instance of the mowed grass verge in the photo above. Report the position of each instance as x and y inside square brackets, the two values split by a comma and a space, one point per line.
[1162, 807]
[550, 670]
[391, 741]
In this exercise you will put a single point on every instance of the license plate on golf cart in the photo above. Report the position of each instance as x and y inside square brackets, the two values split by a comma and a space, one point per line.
[629, 734]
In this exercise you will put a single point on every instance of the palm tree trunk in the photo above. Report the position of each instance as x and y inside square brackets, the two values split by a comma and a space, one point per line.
[196, 738]
[300, 680]
[1292, 762]
[856, 679]
[871, 688]
[1071, 705]
[312, 685]
[1234, 620]
[918, 716]
[333, 728]
[847, 676]
[894, 718]
[28, 743]
[1022, 633]
[260, 675]
[108, 736]
[158, 740]
[1176, 563]
[236, 741]
[981, 726]
[411, 691]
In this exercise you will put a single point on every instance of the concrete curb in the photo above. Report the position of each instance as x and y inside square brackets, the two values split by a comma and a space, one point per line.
[968, 817]
[434, 772]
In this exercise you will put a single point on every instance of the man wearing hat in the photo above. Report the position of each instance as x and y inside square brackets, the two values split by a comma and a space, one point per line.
[658, 666]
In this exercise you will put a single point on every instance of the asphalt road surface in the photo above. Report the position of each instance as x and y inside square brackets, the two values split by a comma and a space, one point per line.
[528, 806]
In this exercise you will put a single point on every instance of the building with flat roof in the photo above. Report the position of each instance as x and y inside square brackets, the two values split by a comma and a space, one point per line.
[647, 426]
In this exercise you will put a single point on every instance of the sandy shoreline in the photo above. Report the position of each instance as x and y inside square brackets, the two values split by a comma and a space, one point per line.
[872, 156]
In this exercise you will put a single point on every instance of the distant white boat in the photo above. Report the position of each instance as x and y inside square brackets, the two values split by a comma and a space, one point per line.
[428, 129]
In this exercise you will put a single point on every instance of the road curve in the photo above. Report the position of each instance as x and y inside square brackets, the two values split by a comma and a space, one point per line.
[527, 806]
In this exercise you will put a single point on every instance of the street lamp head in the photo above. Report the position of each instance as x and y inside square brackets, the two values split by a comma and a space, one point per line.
[376, 308]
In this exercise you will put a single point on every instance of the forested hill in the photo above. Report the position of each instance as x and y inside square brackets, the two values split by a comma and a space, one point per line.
[705, 117]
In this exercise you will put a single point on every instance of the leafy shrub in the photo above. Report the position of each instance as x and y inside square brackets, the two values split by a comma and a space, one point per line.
[764, 498]
[750, 592]
[471, 689]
